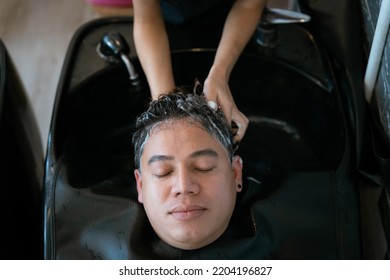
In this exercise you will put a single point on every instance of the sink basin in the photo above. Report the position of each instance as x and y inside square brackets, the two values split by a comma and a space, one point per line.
[298, 186]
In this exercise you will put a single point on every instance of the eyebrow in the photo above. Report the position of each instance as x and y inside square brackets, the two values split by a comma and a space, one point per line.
[206, 152]
[156, 158]
[200, 153]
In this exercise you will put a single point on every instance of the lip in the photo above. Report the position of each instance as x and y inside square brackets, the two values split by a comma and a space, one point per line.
[187, 212]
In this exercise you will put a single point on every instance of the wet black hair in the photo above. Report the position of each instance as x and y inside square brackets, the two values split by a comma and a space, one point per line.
[181, 104]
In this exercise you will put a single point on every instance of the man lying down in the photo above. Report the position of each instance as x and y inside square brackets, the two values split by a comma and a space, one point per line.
[186, 172]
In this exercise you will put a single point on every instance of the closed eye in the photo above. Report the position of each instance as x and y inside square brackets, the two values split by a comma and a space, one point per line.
[162, 175]
[162, 172]
[205, 169]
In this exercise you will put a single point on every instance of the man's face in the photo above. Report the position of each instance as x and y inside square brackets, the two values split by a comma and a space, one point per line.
[187, 184]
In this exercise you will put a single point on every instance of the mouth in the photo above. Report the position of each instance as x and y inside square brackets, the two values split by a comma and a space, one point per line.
[186, 212]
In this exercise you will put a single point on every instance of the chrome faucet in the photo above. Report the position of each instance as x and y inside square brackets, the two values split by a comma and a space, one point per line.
[266, 31]
[281, 16]
[113, 48]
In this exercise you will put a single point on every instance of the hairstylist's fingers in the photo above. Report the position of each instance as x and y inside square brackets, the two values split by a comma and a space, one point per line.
[241, 124]
[232, 114]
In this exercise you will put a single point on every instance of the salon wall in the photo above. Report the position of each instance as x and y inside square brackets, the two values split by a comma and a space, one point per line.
[370, 12]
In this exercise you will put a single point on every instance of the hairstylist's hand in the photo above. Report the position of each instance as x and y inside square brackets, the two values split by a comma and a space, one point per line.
[217, 90]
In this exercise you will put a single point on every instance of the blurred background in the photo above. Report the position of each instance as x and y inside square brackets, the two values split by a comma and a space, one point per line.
[36, 34]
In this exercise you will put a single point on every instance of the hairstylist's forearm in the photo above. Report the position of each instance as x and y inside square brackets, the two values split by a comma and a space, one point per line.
[152, 45]
[239, 28]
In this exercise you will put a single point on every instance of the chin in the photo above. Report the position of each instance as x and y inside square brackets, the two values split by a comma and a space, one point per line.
[192, 241]
[190, 245]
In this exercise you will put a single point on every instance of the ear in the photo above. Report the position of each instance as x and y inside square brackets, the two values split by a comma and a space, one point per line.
[237, 172]
[138, 179]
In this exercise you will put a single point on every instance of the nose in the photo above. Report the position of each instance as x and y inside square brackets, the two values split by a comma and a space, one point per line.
[186, 183]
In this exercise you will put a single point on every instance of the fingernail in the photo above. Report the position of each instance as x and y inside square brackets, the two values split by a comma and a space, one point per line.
[213, 105]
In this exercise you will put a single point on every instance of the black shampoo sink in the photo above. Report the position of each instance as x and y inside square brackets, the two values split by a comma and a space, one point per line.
[299, 199]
